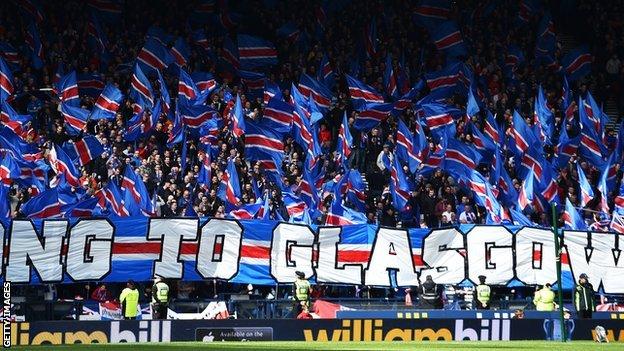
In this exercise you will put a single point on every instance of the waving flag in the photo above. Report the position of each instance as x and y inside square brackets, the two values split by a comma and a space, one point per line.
[577, 63]
[229, 54]
[344, 139]
[229, 189]
[356, 190]
[543, 117]
[591, 146]
[308, 191]
[491, 129]
[399, 186]
[571, 218]
[154, 56]
[44, 205]
[362, 94]
[96, 39]
[406, 101]
[482, 143]
[294, 205]
[501, 179]
[186, 87]
[431, 13]
[204, 81]
[372, 115]
[619, 200]
[62, 164]
[271, 90]
[34, 43]
[255, 52]
[370, 38]
[114, 199]
[455, 77]
[546, 40]
[606, 173]
[6, 80]
[408, 148]
[107, 104]
[84, 150]
[204, 176]
[594, 113]
[532, 159]
[180, 52]
[75, 118]
[84, 208]
[513, 59]
[448, 38]
[521, 135]
[484, 195]
[525, 197]
[90, 84]
[340, 215]
[459, 156]
[237, 122]
[439, 120]
[326, 73]
[8, 52]
[302, 132]
[253, 82]
[68, 93]
[566, 148]
[194, 116]
[248, 211]
[308, 86]
[133, 184]
[279, 115]
[9, 169]
[567, 101]
[140, 87]
[617, 223]
[263, 143]
[587, 194]
[390, 79]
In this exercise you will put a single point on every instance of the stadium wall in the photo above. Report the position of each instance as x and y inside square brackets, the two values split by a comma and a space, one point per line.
[71, 332]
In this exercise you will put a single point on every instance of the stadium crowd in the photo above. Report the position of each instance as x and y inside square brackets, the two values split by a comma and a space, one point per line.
[509, 51]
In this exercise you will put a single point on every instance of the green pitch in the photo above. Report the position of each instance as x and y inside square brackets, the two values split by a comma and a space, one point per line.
[300, 345]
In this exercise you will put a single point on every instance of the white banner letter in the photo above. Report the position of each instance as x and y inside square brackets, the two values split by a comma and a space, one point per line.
[45, 254]
[391, 251]
[219, 249]
[442, 253]
[490, 254]
[98, 234]
[330, 271]
[172, 232]
[291, 251]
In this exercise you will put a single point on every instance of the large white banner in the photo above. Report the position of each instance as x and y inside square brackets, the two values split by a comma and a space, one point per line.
[267, 252]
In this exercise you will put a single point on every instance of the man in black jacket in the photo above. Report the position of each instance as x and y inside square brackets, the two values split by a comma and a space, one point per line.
[584, 297]
[428, 292]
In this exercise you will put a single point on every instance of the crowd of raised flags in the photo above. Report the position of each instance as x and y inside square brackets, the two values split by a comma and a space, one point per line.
[508, 164]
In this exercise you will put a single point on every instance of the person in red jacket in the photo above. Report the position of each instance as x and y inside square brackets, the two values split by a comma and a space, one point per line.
[100, 294]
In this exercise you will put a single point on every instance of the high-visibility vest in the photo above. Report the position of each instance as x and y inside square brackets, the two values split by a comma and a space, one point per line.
[302, 289]
[483, 294]
[430, 293]
[162, 292]
[131, 299]
[544, 300]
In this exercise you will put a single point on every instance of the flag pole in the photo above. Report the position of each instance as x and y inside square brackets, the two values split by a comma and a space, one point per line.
[558, 262]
